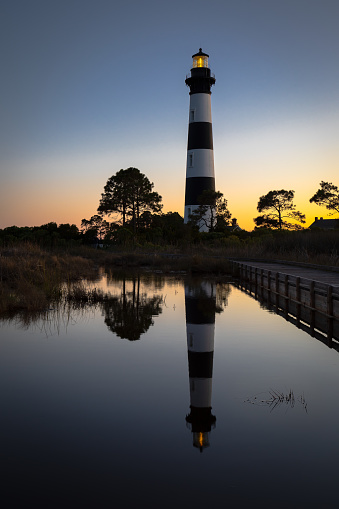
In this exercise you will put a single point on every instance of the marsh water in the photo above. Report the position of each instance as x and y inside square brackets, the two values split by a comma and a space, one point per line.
[173, 392]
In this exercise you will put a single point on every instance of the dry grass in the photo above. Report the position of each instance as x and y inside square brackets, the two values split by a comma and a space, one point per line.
[30, 278]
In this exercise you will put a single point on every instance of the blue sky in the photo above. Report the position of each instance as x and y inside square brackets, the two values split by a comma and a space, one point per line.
[90, 87]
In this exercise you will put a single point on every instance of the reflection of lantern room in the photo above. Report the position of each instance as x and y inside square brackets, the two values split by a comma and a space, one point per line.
[200, 158]
[201, 421]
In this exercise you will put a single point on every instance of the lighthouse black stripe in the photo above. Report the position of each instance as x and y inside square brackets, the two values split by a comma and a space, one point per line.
[201, 419]
[200, 364]
[200, 135]
[200, 311]
[195, 187]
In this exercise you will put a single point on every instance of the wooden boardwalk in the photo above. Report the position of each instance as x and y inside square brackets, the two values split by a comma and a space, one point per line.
[304, 292]
[321, 276]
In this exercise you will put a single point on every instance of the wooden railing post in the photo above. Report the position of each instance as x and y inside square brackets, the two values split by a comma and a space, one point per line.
[297, 289]
[312, 295]
[297, 298]
[286, 286]
[277, 289]
[269, 288]
[330, 301]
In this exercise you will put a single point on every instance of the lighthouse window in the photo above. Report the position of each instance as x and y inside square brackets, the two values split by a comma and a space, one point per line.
[192, 115]
[190, 160]
[200, 61]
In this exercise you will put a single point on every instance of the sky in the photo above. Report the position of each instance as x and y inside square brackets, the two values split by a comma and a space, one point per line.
[90, 87]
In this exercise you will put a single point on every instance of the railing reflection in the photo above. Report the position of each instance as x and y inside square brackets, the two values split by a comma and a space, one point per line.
[316, 324]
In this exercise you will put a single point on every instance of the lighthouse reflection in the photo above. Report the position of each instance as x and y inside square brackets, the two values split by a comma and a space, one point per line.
[202, 301]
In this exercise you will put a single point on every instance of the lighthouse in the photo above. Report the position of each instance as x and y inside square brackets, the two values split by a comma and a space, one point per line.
[200, 304]
[200, 159]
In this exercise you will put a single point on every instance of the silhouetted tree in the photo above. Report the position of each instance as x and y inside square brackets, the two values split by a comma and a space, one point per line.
[68, 231]
[96, 227]
[327, 196]
[49, 227]
[163, 228]
[279, 205]
[129, 193]
[212, 211]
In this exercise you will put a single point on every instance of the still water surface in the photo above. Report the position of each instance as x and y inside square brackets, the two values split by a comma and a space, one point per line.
[163, 396]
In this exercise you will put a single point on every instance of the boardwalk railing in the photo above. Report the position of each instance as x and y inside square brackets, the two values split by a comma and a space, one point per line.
[308, 300]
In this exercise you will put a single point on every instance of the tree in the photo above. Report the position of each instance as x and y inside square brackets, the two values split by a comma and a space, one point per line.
[129, 193]
[279, 205]
[95, 227]
[68, 231]
[327, 196]
[164, 228]
[212, 211]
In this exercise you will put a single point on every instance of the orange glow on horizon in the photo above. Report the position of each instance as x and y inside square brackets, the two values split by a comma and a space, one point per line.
[36, 211]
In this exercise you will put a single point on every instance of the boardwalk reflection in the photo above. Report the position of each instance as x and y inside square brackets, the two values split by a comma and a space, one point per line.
[202, 301]
[316, 324]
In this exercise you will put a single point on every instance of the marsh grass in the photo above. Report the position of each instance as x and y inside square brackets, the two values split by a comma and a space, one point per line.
[30, 278]
[314, 247]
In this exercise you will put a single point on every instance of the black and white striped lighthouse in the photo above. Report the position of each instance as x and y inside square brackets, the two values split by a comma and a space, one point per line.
[200, 304]
[200, 159]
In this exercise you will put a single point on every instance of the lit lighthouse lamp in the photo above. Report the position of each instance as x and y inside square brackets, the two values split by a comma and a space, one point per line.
[200, 158]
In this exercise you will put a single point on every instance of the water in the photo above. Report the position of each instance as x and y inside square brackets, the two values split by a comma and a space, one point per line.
[164, 397]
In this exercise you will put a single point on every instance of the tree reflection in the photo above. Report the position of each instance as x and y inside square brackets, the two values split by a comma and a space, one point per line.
[131, 314]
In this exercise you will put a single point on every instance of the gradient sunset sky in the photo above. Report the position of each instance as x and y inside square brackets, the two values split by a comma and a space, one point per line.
[90, 87]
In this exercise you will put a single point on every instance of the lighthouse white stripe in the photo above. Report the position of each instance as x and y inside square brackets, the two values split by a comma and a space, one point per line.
[200, 104]
[201, 392]
[201, 164]
[189, 209]
[205, 287]
[200, 338]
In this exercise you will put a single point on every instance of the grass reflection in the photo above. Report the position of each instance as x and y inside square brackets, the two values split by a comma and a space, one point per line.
[274, 399]
[127, 306]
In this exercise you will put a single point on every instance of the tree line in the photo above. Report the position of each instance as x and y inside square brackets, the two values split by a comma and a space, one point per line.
[130, 200]
[130, 213]
[279, 209]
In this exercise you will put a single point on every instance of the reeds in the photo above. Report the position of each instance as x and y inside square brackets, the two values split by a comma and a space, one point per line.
[30, 278]
[275, 398]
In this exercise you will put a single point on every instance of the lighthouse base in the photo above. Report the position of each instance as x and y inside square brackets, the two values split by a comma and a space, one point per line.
[203, 226]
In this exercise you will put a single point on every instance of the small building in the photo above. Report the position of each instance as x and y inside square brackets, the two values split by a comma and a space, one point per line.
[234, 227]
[325, 224]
